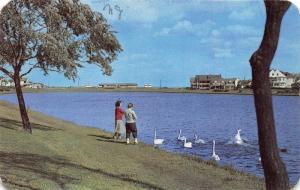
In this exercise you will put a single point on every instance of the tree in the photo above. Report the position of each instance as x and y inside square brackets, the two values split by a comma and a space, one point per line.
[53, 35]
[276, 177]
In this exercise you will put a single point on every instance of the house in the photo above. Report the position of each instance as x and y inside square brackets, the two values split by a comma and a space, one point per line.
[24, 83]
[231, 83]
[203, 82]
[118, 85]
[108, 85]
[245, 83]
[147, 86]
[213, 82]
[279, 79]
[10, 83]
[127, 85]
[35, 85]
[217, 84]
[2, 81]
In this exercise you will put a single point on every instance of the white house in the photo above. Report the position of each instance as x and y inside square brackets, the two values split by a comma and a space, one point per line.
[147, 85]
[2, 81]
[118, 85]
[231, 83]
[35, 85]
[279, 79]
[9, 83]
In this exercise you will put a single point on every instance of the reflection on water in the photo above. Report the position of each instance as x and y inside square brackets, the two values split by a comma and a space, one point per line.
[212, 117]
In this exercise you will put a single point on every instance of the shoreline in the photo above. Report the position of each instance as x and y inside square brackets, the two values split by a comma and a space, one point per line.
[275, 92]
[88, 147]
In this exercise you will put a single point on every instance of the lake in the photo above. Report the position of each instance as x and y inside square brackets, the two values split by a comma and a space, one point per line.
[210, 116]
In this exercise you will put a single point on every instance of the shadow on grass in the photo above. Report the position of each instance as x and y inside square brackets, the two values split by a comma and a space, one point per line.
[100, 136]
[14, 125]
[33, 165]
[112, 141]
[104, 138]
[47, 168]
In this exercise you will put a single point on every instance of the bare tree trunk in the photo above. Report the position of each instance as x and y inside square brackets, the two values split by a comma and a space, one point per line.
[23, 111]
[276, 177]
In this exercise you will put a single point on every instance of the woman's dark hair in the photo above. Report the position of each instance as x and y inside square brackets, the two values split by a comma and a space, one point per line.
[130, 105]
[118, 103]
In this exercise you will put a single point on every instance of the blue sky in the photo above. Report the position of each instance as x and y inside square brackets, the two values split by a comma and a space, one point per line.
[173, 40]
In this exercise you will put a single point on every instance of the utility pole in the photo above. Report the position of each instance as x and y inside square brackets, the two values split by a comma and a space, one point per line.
[160, 84]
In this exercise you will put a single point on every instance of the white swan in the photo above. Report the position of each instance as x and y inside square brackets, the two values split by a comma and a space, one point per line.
[197, 141]
[1, 185]
[214, 155]
[181, 138]
[238, 139]
[157, 141]
[297, 186]
[187, 144]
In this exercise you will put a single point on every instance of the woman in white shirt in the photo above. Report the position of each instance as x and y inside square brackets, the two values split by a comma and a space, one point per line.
[130, 118]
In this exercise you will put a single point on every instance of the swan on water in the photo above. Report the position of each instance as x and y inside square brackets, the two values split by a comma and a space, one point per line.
[157, 141]
[297, 186]
[214, 155]
[187, 144]
[238, 139]
[1, 185]
[181, 138]
[197, 141]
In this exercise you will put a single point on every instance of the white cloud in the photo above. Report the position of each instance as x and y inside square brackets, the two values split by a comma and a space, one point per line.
[244, 14]
[149, 11]
[241, 30]
[222, 53]
[133, 57]
[138, 11]
[187, 27]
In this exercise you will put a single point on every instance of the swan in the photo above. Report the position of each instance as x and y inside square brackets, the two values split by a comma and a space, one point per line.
[214, 155]
[197, 141]
[181, 138]
[157, 141]
[187, 144]
[297, 186]
[1, 185]
[238, 138]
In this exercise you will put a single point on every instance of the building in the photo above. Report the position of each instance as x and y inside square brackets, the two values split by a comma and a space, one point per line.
[203, 82]
[147, 86]
[279, 79]
[24, 83]
[118, 85]
[2, 81]
[231, 83]
[35, 85]
[10, 83]
[245, 83]
[213, 82]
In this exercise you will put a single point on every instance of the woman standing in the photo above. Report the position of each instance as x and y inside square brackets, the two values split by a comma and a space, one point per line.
[118, 120]
[130, 117]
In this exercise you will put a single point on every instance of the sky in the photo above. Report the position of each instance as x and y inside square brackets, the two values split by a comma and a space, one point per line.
[166, 42]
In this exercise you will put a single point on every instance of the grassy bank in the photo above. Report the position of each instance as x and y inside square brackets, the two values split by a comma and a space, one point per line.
[275, 92]
[62, 155]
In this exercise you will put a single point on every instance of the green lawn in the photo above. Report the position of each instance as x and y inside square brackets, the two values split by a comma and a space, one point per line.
[62, 155]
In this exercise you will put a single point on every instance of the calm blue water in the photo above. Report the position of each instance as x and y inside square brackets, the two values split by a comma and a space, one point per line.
[210, 116]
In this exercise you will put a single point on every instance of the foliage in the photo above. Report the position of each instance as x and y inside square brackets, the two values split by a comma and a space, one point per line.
[54, 35]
